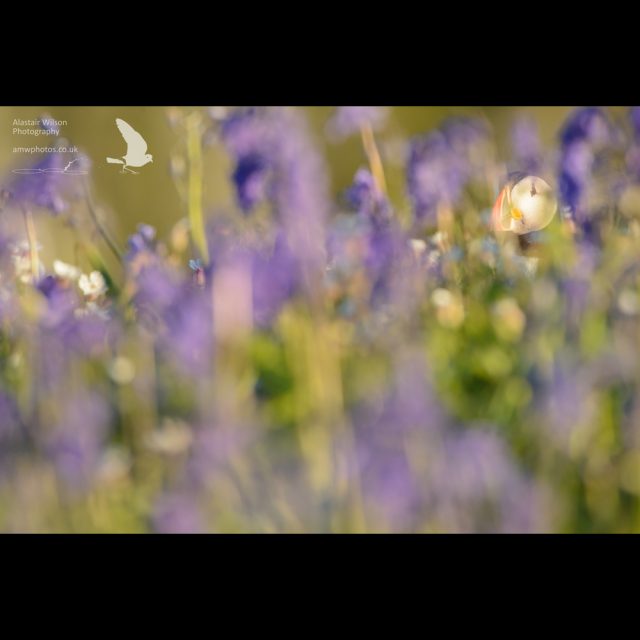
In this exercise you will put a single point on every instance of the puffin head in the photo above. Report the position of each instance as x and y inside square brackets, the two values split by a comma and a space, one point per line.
[524, 205]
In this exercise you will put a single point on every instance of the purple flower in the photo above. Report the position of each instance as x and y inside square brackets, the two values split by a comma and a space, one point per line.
[347, 245]
[633, 161]
[177, 309]
[464, 133]
[62, 301]
[76, 439]
[10, 435]
[441, 164]
[177, 513]
[586, 131]
[386, 252]
[6, 250]
[81, 330]
[248, 135]
[586, 124]
[374, 243]
[391, 488]
[635, 121]
[141, 241]
[276, 161]
[525, 143]
[385, 429]
[365, 197]
[418, 470]
[566, 403]
[474, 486]
[249, 138]
[349, 120]
[43, 186]
[275, 278]
[633, 153]
[89, 334]
[379, 235]
[577, 162]
[9, 419]
[301, 195]
[214, 451]
[250, 178]
[157, 286]
[245, 130]
[434, 174]
[188, 337]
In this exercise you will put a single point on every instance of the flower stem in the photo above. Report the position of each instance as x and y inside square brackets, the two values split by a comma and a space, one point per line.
[33, 242]
[101, 230]
[194, 153]
[373, 155]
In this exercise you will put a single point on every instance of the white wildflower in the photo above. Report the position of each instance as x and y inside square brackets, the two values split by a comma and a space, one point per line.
[418, 246]
[66, 271]
[92, 285]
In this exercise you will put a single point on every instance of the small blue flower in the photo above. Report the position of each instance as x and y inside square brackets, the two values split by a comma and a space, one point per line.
[142, 240]
[364, 196]
[250, 178]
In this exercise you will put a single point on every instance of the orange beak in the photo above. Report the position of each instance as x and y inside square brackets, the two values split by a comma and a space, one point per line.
[497, 210]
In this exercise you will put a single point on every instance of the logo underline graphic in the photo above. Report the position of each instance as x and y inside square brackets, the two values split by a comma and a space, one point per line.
[72, 172]
[65, 171]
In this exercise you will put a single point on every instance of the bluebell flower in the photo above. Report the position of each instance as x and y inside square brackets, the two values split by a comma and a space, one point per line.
[442, 163]
[402, 416]
[142, 240]
[275, 161]
[463, 133]
[250, 178]
[526, 146]
[566, 403]
[9, 420]
[365, 197]
[635, 121]
[177, 513]
[290, 175]
[157, 286]
[433, 174]
[189, 331]
[40, 187]
[633, 152]
[587, 124]
[75, 440]
[248, 135]
[475, 486]
[276, 278]
[584, 134]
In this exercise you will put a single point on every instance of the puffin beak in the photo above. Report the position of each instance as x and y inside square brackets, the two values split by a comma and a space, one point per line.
[516, 213]
[497, 217]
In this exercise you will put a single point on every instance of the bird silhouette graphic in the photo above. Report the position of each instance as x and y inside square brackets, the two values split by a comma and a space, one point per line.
[136, 155]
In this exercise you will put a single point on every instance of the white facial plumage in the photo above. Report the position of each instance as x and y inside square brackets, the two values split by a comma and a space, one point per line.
[528, 205]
